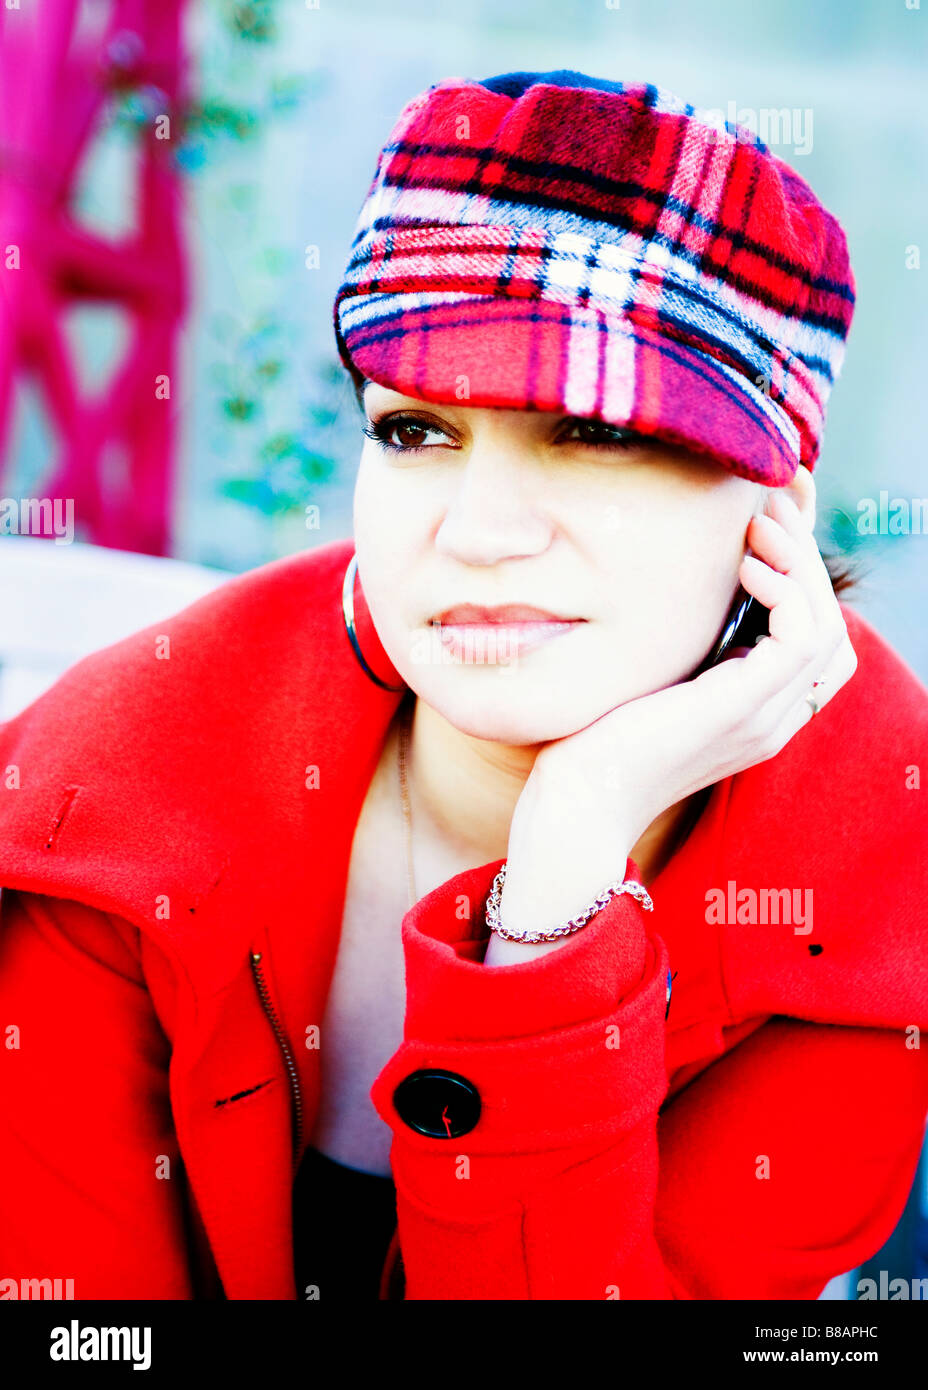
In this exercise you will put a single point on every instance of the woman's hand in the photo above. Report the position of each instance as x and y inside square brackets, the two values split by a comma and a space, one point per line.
[592, 794]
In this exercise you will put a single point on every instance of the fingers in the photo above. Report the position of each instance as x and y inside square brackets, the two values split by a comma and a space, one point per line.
[761, 699]
[794, 540]
[836, 673]
[807, 628]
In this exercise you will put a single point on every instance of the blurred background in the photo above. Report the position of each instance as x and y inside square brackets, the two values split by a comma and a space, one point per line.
[179, 183]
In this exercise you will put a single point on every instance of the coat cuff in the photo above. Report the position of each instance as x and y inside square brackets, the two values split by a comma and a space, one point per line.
[582, 1026]
[451, 994]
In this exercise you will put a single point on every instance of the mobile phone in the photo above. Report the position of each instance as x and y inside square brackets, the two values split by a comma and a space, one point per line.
[745, 622]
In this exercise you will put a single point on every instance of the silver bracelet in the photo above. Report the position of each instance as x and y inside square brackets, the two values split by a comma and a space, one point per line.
[637, 890]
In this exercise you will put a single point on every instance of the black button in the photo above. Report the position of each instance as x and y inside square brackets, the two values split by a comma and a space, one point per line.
[440, 1104]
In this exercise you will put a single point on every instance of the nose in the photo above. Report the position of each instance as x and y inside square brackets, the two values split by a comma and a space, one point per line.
[493, 513]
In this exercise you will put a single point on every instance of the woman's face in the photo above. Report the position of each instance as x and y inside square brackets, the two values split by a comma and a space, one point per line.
[638, 545]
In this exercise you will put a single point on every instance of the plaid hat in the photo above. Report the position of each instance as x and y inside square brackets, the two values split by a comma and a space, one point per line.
[564, 243]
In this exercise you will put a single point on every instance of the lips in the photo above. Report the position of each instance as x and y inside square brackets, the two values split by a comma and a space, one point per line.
[505, 614]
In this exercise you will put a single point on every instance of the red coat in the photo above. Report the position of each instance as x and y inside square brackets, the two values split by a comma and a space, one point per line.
[760, 1140]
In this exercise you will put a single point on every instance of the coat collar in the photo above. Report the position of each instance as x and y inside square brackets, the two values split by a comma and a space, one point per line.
[113, 795]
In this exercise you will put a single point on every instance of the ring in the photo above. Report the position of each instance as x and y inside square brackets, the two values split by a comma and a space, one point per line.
[814, 703]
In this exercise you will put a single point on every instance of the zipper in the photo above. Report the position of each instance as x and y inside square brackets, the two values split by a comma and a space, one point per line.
[270, 1011]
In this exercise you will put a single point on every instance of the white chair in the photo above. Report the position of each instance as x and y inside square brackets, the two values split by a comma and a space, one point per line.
[61, 602]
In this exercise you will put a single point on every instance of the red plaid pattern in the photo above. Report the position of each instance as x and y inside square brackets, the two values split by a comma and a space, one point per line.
[550, 241]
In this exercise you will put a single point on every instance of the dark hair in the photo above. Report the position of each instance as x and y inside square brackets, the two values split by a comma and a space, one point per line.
[843, 576]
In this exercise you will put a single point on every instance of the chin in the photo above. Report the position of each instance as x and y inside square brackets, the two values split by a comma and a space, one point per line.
[511, 707]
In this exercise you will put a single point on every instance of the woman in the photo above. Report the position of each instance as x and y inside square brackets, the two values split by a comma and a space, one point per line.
[663, 1041]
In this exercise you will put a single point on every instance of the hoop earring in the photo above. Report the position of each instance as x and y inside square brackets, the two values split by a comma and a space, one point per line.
[348, 615]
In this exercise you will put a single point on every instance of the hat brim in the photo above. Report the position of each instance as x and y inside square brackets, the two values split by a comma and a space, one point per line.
[522, 353]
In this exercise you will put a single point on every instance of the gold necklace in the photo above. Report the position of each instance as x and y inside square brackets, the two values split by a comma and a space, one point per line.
[405, 723]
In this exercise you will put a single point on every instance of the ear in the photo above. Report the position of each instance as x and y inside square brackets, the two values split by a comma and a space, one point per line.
[802, 491]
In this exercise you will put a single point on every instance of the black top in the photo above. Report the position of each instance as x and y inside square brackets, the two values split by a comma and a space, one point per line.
[343, 1222]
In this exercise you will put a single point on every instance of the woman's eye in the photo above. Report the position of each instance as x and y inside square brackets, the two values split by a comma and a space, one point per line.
[403, 433]
[407, 434]
[595, 432]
